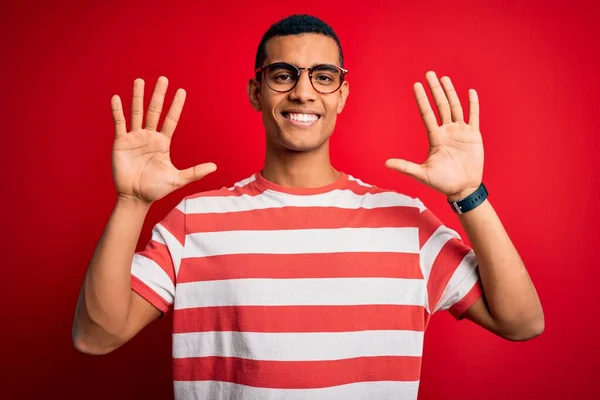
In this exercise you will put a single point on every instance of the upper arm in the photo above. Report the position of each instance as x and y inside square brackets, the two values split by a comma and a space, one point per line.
[154, 269]
[91, 338]
[449, 266]
[479, 313]
[141, 313]
[153, 273]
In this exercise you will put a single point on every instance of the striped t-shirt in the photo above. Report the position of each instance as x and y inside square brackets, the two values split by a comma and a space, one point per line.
[287, 293]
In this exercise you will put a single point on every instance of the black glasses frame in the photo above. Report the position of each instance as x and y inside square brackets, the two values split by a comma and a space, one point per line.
[261, 72]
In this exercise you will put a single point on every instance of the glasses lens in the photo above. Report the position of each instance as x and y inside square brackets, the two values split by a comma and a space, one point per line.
[281, 77]
[326, 78]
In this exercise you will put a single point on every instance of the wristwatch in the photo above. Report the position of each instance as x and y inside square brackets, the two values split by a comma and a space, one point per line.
[470, 202]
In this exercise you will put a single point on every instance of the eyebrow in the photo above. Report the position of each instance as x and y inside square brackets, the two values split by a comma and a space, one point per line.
[281, 64]
[331, 66]
[326, 67]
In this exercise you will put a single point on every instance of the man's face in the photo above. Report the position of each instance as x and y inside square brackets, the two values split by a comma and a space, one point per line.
[285, 128]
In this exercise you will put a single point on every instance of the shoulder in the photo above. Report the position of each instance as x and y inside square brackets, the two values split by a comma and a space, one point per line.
[416, 211]
[217, 200]
[384, 195]
[244, 186]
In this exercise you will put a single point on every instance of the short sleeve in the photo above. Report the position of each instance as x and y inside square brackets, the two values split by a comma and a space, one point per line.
[154, 269]
[449, 266]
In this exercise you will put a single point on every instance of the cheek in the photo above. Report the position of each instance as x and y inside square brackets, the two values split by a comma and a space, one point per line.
[333, 110]
[269, 106]
[330, 122]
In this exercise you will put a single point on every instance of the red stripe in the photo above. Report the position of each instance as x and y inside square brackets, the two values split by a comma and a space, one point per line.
[253, 188]
[459, 308]
[301, 217]
[281, 266]
[299, 318]
[159, 253]
[428, 224]
[174, 222]
[297, 374]
[148, 294]
[444, 266]
[357, 188]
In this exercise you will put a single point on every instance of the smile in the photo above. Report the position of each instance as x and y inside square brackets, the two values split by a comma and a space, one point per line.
[301, 119]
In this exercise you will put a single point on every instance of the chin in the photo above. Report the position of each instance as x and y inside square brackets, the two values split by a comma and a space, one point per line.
[300, 142]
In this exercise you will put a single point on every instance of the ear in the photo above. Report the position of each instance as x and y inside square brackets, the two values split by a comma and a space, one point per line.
[343, 93]
[253, 89]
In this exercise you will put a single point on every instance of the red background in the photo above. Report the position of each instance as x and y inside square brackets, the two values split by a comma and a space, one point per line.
[534, 66]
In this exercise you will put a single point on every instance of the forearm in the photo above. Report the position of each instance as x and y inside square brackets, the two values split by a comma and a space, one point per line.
[105, 299]
[510, 294]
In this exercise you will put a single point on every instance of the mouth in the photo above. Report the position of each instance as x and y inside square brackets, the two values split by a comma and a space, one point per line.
[301, 118]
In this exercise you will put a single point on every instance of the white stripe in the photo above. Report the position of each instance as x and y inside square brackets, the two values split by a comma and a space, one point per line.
[430, 251]
[432, 248]
[157, 235]
[420, 204]
[298, 346]
[243, 182]
[462, 281]
[214, 390]
[310, 291]
[269, 199]
[361, 183]
[396, 240]
[149, 272]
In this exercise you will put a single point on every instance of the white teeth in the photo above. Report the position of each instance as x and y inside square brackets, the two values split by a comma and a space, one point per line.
[302, 117]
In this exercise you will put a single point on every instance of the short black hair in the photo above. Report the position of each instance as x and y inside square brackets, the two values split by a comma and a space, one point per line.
[295, 25]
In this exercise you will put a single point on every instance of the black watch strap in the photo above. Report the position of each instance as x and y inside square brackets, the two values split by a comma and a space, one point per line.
[469, 202]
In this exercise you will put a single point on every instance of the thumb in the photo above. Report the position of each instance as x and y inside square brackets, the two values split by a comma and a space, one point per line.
[406, 167]
[195, 173]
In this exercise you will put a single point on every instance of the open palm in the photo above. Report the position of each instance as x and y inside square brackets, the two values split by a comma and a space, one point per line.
[454, 165]
[142, 167]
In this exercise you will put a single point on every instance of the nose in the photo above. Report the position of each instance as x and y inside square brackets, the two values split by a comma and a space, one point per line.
[303, 91]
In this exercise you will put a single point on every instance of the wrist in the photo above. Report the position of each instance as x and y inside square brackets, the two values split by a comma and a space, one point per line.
[462, 194]
[132, 203]
[466, 201]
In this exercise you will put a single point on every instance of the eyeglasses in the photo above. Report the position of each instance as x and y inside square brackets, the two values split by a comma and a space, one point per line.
[283, 77]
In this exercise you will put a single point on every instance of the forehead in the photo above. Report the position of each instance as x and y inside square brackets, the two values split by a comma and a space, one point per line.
[302, 50]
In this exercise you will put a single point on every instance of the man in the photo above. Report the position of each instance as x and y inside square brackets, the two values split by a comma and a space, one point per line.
[301, 282]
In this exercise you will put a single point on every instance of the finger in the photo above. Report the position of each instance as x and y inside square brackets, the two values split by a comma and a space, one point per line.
[409, 168]
[473, 109]
[137, 105]
[174, 113]
[439, 97]
[118, 116]
[425, 108]
[194, 173]
[156, 103]
[455, 107]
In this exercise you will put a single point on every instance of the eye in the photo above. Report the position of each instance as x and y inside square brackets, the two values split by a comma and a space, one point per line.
[326, 75]
[323, 77]
[283, 77]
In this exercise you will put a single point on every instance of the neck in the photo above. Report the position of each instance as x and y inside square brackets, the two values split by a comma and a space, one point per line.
[299, 169]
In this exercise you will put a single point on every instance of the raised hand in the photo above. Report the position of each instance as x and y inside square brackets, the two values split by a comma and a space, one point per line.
[454, 166]
[142, 167]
